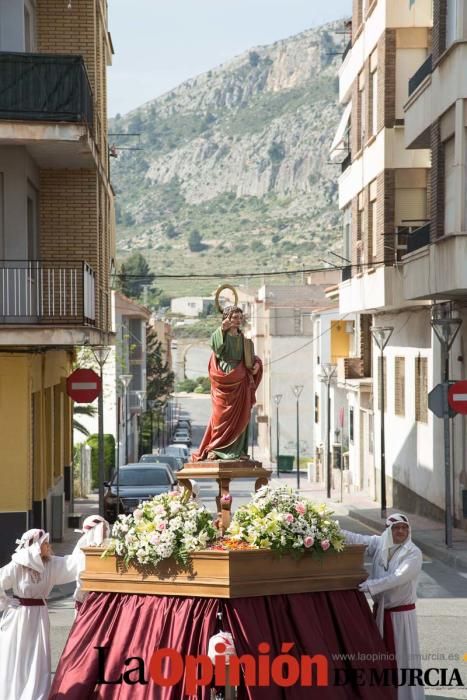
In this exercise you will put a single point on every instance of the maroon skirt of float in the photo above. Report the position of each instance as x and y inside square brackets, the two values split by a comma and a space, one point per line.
[112, 627]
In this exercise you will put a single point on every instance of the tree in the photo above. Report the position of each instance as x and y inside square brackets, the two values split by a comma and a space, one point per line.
[82, 410]
[195, 242]
[134, 276]
[159, 376]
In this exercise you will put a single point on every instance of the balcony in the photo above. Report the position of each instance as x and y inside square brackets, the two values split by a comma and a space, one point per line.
[46, 101]
[346, 273]
[37, 293]
[419, 76]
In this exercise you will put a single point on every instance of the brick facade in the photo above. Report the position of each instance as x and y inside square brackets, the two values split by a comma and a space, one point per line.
[76, 211]
[387, 80]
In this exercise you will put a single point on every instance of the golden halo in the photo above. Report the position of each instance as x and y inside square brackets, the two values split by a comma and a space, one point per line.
[218, 293]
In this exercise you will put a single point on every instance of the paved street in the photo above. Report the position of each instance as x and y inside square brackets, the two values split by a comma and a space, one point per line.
[442, 606]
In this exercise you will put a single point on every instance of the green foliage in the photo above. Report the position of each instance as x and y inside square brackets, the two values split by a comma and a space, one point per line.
[257, 246]
[134, 276]
[159, 377]
[200, 385]
[195, 242]
[109, 457]
[82, 410]
[253, 58]
[201, 329]
[276, 152]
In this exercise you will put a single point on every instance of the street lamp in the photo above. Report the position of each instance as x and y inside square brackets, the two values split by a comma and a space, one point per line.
[101, 354]
[125, 380]
[277, 400]
[328, 372]
[381, 335]
[152, 403]
[141, 394]
[297, 390]
[446, 329]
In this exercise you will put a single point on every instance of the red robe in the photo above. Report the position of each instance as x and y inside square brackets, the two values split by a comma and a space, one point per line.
[233, 396]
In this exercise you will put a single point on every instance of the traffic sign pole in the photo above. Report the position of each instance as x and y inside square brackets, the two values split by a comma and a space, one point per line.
[447, 466]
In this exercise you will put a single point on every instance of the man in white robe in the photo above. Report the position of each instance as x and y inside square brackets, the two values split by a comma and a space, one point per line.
[94, 533]
[25, 659]
[396, 565]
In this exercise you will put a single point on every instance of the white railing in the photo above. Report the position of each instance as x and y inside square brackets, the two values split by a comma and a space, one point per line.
[32, 291]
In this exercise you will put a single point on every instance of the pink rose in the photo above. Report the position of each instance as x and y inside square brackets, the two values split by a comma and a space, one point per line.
[154, 539]
[288, 517]
[325, 544]
[300, 508]
[308, 541]
[137, 514]
[161, 526]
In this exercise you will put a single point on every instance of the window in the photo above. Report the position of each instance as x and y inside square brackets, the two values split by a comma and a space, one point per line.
[421, 389]
[351, 428]
[316, 408]
[451, 13]
[373, 104]
[385, 384]
[371, 434]
[362, 133]
[399, 386]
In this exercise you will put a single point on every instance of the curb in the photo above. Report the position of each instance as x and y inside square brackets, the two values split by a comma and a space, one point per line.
[450, 558]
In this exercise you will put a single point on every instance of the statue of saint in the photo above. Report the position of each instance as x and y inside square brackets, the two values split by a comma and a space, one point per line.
[235, 373]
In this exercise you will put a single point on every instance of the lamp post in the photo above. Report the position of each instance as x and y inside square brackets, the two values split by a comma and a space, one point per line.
[151, 404]
[328, 372]
[446, 329]
[141, 394]
[297, 390]
[125, 380]
[381, 335]
[101, 354]
[277, 400]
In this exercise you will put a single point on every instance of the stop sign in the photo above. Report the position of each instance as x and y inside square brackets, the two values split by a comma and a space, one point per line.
[83, 385]
[457, 396]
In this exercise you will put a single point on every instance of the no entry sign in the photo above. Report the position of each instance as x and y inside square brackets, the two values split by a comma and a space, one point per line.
[457, 397]
[83, 385]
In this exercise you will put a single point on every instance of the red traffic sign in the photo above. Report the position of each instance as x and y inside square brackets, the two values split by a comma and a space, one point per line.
[457, 397]
[83, 385]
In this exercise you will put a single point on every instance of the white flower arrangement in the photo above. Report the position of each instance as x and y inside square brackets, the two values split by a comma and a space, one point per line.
[169, 525]
[279, 519]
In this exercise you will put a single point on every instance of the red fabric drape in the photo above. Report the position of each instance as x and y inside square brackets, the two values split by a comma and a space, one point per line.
[134, 625]
[233, 395]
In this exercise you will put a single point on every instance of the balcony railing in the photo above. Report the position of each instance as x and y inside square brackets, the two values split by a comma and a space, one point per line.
[418, 238]
[44, 87]
[419, 76]
[34, 292]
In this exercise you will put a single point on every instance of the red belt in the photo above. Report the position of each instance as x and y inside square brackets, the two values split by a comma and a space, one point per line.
[30, 602]
[388, 630]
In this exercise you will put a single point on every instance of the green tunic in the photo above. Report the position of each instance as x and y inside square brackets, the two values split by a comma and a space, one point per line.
[229, 352]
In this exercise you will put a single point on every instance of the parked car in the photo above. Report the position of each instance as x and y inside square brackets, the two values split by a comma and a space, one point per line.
[182, 436]
[175, 462]
[180, 450]
[183, 424]
[137, 482]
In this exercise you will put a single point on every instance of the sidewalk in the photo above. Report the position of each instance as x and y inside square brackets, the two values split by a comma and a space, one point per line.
[427, 534]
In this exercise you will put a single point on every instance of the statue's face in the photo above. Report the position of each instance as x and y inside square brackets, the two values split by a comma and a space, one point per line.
[236, 319]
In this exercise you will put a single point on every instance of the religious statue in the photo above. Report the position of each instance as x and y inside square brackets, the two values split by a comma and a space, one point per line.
[235, 373]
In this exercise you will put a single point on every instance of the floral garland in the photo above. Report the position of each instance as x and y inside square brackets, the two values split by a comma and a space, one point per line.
[279, 519]
[169, 525]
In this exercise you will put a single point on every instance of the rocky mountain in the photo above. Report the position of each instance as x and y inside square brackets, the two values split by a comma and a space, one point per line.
[233, 169]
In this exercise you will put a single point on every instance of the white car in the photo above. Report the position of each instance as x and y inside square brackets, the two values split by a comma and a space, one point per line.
[181, 436]
[179, 450]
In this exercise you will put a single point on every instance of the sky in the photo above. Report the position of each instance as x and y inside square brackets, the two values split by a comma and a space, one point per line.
[160, 43]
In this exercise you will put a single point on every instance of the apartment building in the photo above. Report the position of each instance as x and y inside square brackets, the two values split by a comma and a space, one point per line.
[56, 242]
[436, 118]
[385, 195]
[282, 330]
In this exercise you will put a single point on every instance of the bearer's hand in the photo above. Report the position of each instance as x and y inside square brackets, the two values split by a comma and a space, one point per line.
[255, 368]
[364, 587]
[226, 324]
